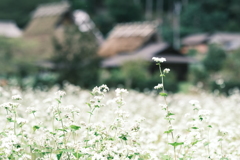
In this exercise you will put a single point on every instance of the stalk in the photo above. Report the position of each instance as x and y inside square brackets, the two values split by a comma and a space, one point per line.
[165, 100]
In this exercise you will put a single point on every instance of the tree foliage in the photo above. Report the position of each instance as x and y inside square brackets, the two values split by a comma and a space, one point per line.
[75, 59]
[19, 11]
[215, 58]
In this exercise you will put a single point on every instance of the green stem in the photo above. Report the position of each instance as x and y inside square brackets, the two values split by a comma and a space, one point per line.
[15, 121]
[165, 100]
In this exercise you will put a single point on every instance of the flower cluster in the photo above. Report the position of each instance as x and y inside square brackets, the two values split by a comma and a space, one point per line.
[159, 60]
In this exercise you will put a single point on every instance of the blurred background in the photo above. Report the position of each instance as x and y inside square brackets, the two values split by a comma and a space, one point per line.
[91, 42]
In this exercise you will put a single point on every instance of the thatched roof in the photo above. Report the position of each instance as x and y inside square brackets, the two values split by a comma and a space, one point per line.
[52, 9]
[41, 26]
[9, 29]
[45, 19]
[146, 54]
[127, 37]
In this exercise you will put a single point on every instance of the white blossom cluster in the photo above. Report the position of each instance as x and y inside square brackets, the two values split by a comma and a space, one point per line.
[159, 60]
[120, 125]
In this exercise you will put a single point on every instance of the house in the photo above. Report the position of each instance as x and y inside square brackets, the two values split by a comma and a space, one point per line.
[140, 41]
[9, 29]
[50, 20]
[228, 41]
[200, 42]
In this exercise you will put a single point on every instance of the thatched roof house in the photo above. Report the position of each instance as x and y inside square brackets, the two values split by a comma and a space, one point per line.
[128, 37]
[50, 20]
[9, 29]
[46, 18]
[146, 53]
[140, 41]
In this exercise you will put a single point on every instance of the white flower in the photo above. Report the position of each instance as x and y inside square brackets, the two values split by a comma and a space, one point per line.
[164, 106]
[104, 88]
[166, 70]
[194, 102]
[119, 91]
[159, 86]
[156, 59]
[60, 93]
[16, 97]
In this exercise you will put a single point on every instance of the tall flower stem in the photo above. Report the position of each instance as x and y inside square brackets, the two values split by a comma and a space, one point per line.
[165, 100]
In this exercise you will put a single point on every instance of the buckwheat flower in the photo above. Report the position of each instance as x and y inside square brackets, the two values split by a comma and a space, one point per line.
[120, 91]
[16, 97]
[5, 105]
[21, 121]
[194, 102]
[166, 70]
[60, 93]
[104, 88]
[187, 115]
[156, 59]
[164, 106]
[30, 110]
[159, 86]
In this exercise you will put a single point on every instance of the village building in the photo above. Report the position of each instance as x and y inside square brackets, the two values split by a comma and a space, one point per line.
[50, 20]
[9, 29]
[199, 42]
[141, 41]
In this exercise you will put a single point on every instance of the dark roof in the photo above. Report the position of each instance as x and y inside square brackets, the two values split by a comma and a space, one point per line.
[229, 41]
[146, 53]
[195, 39]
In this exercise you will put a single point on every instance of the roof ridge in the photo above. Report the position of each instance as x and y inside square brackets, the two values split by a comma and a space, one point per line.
[53, 3]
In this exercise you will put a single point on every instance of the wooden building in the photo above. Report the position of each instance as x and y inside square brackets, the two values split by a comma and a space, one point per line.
[141, 41]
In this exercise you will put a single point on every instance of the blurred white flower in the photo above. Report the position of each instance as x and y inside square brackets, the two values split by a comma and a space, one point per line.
[166, 70]
[156, 59]
[159, 86]
[60, 93]
[16, 97]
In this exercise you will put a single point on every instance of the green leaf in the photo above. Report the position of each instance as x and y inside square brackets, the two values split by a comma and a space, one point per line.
[59, 156]
[169, 114]
[206, 143]
[175, 144]
[74, 127]
[10, 120]
[77, 155]
[52, 133]
[96, 134]
[194, 127]
[193, 143]
[123, 137]
[209, 126]
[163, 94]
[169, 131]
[4, 134]
[35, 128]
[58, 100]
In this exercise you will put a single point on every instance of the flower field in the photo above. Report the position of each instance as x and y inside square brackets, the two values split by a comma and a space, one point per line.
[104, 124]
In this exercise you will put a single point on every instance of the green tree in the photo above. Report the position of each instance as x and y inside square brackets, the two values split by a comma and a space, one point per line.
[19, 11]
[75, 58]
[123, 11]
[215, 58]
